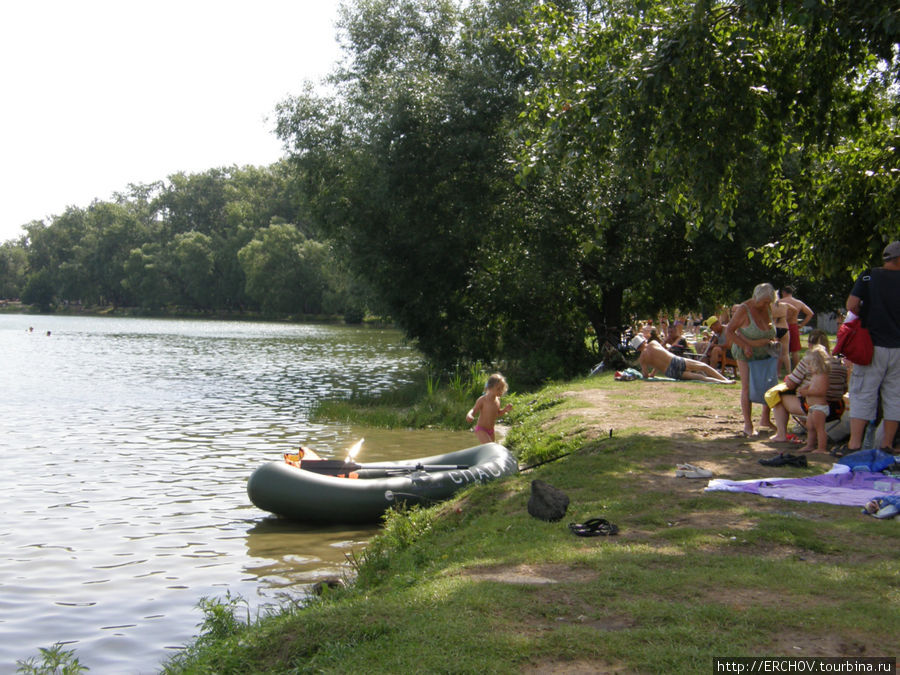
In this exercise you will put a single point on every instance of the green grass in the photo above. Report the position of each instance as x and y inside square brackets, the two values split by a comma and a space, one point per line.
[692, 575]
[433, 400]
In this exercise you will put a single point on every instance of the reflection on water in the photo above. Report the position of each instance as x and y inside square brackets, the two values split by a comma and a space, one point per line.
[126, 446]
[287, 554]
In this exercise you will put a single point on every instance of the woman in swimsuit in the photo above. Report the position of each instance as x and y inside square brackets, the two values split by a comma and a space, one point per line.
[751, 330]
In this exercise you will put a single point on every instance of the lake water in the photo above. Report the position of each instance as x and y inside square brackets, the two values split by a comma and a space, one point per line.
[126, 445]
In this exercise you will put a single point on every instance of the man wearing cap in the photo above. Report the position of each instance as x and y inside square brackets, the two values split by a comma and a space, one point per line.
[876, 298]
[715, 339]
[655, 358]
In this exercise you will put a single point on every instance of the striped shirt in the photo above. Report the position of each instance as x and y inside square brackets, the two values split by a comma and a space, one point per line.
[837, 377]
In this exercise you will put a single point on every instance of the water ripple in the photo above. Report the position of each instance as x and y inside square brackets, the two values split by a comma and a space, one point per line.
[126, 445]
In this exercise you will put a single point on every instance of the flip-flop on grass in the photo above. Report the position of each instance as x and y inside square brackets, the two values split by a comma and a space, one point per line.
[595, 527]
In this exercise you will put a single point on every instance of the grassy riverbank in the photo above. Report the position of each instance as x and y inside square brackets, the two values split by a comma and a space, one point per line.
[478, 585]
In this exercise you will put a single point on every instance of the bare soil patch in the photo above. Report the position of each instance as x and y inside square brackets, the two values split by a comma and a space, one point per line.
[709, 436]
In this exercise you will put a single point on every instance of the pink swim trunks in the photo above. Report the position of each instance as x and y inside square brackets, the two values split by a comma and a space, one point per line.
[489, 432]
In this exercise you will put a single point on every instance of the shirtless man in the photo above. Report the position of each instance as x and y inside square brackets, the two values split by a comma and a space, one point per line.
[656, 358]
[795, 307]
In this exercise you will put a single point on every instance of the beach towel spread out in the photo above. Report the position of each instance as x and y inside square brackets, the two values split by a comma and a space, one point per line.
[841, 485]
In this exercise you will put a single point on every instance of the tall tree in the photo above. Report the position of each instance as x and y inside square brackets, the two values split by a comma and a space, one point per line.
[407, 162]
[716, 111]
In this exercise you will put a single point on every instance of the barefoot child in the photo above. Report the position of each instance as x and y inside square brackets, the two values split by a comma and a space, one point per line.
[814, 394]
[487, 408]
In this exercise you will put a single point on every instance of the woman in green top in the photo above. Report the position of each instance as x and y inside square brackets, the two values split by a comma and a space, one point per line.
[751, 330]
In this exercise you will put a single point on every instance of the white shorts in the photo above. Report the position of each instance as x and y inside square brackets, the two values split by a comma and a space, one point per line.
[882, 376]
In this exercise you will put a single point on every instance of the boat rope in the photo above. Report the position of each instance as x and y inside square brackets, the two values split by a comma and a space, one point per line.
[565, 454]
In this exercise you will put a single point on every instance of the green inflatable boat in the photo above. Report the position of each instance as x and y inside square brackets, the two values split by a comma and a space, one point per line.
[332, 491]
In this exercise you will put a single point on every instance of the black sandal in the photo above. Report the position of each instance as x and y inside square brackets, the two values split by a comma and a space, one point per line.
[794, 460]
[842, 451]
[782, 459]
[595, 527]
[778, 460]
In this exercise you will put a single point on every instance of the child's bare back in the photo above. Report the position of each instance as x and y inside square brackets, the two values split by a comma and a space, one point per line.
[488, 408]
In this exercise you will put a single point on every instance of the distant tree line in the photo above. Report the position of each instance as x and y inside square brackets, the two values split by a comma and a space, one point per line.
[227, 239]
[513, 180]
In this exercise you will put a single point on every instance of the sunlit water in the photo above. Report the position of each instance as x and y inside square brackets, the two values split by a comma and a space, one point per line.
[126, 445]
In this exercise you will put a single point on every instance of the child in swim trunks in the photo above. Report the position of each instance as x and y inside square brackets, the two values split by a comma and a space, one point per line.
[487, 408]
[813, 398]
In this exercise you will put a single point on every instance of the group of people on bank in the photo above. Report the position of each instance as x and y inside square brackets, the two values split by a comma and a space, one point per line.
[768, 324]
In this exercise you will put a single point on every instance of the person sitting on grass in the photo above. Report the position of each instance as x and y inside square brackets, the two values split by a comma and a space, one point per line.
[656, 358]
[715, 341]
[675, 340]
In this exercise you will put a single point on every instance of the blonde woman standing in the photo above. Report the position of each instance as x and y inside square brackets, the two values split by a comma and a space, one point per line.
[751, 331]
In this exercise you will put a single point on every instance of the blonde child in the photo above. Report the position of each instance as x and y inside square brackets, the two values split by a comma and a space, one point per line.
[814, 395]
[487, 408]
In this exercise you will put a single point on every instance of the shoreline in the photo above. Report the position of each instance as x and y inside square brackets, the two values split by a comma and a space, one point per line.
[690, 576]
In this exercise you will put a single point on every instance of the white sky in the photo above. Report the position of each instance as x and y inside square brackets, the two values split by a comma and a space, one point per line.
[97, 94]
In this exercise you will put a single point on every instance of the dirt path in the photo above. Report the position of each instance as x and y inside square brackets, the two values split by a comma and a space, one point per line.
[709, 433]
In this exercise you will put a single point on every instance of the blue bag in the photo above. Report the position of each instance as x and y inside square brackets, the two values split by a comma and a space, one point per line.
[873, 460]
[763, 376]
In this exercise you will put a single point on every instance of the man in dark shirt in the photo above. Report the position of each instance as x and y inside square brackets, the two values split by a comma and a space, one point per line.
[876, 298]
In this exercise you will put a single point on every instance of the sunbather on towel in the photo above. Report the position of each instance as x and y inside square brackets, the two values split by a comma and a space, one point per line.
[654, 358]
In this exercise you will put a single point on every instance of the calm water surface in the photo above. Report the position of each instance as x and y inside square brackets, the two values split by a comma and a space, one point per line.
[126, 445]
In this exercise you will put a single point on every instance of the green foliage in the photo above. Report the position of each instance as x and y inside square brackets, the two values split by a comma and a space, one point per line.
[178, 244]
[285, 272]
[53, 661]
[408, 171]
[719, 120]
[425, 403]
[403, 531]
[220, 618]
[13, 267]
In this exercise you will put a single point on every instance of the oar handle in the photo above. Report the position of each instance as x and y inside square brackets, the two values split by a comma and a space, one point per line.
[334, 467]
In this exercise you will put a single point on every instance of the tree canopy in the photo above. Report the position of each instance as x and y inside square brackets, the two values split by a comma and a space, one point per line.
[515, 180]
[515, 177]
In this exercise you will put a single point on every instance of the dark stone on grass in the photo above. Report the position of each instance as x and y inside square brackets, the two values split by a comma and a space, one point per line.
[547, 502]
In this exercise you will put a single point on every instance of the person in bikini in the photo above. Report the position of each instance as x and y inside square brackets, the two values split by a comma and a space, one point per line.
[782, 334]
[656, 358]
[487, 408]
[751, 331]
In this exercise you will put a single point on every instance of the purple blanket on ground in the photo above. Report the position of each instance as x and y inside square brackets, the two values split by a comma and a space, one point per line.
[839, 486]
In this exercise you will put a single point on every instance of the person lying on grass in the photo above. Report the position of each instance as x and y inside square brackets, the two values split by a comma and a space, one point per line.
[655, 358]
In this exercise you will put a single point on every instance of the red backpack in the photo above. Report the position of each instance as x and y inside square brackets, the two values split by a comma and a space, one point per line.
[854, 343]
